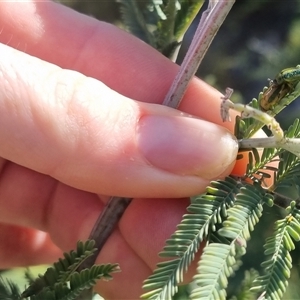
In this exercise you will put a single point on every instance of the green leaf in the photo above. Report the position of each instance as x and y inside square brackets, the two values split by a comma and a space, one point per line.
[62, 269]
[205, 212]
[215, 266]
[9, 290]
[244, 214]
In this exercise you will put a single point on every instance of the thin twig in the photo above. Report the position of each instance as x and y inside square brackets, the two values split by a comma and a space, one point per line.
[209, 25]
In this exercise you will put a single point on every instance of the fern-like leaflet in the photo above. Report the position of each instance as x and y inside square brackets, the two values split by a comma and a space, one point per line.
[216, 265]
[273, 283]
[205, 212]
[161, 24]
[62, 281]
[9, 290]
[229, 210]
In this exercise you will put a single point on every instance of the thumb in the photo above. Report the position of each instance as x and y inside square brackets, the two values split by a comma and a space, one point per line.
[77, 130]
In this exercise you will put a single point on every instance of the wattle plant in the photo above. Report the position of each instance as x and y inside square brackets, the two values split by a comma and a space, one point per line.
[223, 219]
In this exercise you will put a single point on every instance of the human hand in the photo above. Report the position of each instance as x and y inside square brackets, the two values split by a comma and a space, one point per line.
[67, 140]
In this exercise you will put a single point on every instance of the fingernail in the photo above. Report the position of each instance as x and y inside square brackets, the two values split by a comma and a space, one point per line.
[186, 145]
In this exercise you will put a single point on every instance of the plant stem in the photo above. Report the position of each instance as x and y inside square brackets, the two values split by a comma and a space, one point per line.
[209, 25]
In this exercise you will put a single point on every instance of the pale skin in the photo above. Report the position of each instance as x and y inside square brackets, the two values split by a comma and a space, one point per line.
[66, 140]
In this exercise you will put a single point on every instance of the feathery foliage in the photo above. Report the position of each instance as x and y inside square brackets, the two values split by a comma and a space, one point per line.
[63, 269]
[159, 23]
[206, 211]
[62, 281]
[216, 264]
[273, 283]
[245, 213]
[230, 209]
[9, 290]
